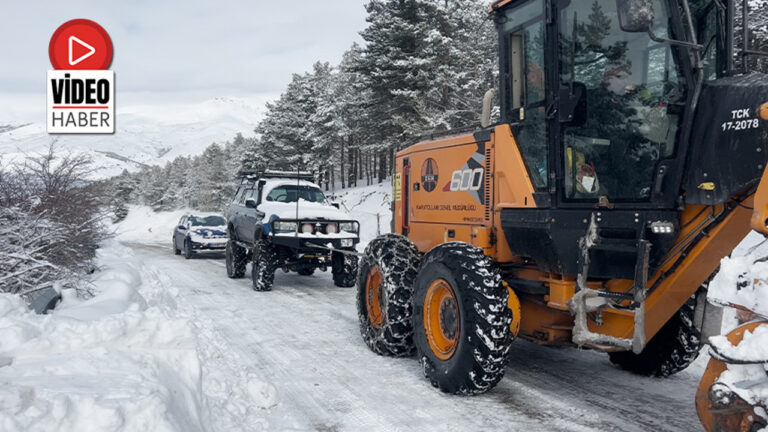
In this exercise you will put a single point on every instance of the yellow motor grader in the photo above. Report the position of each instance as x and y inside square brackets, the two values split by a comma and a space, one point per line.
[594, 212]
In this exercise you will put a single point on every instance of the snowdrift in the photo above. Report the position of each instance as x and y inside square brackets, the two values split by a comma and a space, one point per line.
[128, 359]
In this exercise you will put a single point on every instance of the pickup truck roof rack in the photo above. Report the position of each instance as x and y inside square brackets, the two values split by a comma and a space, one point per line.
[252, 176]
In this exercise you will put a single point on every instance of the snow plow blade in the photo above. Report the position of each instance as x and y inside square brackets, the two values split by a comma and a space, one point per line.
[719, 404]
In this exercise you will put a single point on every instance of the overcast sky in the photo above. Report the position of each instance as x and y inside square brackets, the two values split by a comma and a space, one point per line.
[183, 51]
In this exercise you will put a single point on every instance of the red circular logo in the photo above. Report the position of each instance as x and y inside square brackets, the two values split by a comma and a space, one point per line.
[80, 44]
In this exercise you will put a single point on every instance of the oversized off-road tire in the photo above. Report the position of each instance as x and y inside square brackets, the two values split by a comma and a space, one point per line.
[671, 350]
[236, 259]
[384, 291]
[306, 271]
[187, 250]
[461, 319]
[344, 269]
[176, 250]
[263, 266]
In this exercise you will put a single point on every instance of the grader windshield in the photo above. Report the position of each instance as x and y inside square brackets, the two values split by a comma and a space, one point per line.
[633, 98]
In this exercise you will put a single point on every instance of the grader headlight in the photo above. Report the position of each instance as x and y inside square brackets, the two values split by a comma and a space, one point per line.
[662, 227]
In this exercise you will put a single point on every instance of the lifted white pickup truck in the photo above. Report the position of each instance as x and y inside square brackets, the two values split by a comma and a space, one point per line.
[282, 219]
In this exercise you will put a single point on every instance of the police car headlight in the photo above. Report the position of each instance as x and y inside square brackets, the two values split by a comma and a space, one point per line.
[285, 226]
[348, 227]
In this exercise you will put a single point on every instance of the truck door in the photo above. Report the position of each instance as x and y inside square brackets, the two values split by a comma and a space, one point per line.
[252, 216]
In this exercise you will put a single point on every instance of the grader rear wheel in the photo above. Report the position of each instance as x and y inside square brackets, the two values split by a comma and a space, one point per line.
[462, 323]
[441, 319]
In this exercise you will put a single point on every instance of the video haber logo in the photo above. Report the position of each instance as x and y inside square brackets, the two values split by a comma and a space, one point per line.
[81, 91]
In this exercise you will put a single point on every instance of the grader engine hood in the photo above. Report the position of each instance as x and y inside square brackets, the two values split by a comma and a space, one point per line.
[729, 143]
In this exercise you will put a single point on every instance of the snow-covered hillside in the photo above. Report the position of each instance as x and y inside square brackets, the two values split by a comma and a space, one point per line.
[146, 134]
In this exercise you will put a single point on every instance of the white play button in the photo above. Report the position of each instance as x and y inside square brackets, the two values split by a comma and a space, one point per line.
[81, 47]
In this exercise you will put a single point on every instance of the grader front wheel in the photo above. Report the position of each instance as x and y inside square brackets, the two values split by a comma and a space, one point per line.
[461, 319]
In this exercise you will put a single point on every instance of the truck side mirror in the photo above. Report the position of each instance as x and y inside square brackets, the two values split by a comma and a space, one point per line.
[336, 204]
[573, 104]
[250, 203]
[635, 16]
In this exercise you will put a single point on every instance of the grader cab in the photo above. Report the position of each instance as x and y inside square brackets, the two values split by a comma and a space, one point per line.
[623, 168]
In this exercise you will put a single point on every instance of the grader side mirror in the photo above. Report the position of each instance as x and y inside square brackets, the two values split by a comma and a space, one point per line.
[485, 116]
[635, 16]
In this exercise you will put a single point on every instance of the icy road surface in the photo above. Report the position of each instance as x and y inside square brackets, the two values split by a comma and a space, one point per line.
[303, 339]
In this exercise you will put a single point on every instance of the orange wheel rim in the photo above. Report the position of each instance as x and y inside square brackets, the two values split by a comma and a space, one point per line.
[373, 297]
[441, 319]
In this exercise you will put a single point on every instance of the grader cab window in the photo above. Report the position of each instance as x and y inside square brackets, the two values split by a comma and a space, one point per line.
[632, 96]
[522, 32]
[709, 18]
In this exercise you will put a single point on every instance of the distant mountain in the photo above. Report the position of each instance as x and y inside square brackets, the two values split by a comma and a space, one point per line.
[145, 134]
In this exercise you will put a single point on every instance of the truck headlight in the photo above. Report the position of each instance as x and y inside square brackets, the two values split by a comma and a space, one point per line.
[285, 226]
[346, 243]
[348, 227]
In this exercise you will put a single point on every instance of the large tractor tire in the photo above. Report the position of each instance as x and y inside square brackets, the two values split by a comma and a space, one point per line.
[384, 290]
[671, 350]
[263, 266]
[344, 269]
[461, 320]
[236, 259]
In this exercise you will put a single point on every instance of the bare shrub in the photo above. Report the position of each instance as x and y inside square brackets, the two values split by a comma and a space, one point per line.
[51, 222]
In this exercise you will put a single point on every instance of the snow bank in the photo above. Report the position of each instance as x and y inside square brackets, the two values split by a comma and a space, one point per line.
[128, 359]
[368, 204]
[143, 225]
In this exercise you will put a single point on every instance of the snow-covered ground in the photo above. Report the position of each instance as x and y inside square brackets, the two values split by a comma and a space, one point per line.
[171, 344]
[136, 357]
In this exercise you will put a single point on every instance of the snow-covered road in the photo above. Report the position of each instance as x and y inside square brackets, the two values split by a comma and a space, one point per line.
[303, 339]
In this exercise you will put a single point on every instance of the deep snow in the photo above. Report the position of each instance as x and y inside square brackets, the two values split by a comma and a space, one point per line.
[132, 358]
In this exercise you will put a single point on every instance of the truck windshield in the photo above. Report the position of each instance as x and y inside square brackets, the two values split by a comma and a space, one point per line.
[290, 193]
[633, 93]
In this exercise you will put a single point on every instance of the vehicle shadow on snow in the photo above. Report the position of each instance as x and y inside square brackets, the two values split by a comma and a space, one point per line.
[207, 255]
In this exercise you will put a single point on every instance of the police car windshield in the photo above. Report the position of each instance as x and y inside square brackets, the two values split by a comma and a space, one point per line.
[290, 193]
[209, 221]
